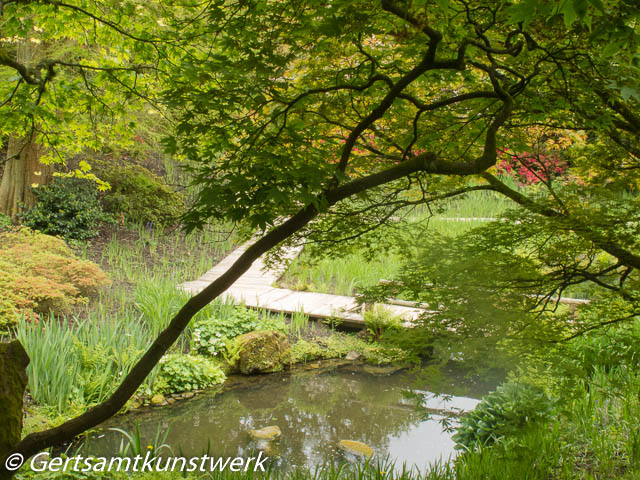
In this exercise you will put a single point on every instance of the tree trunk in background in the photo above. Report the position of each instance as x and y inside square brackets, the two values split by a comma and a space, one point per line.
[22, 170]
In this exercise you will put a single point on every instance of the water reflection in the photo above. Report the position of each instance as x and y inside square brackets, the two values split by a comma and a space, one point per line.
[314, 410]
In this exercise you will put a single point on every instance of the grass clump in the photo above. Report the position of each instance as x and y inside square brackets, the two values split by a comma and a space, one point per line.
[40, 274]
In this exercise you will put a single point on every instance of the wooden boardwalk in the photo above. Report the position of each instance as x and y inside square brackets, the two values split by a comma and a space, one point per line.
[256, 290]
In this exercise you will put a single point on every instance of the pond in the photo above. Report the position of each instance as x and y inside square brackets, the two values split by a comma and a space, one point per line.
[315, 407]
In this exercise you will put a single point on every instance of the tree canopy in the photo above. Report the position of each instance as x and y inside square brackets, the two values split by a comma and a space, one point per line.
[322, 120]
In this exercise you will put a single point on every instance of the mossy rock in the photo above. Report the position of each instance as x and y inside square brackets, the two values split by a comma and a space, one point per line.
[356, 448]
[264, 352]
[13, 381]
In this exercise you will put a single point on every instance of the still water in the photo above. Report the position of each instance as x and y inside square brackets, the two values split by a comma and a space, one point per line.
[314, 408]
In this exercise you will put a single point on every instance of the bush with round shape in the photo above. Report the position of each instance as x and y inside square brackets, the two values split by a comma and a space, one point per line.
[513, 406]
[68, 207]
[40, 274]
[184, 373]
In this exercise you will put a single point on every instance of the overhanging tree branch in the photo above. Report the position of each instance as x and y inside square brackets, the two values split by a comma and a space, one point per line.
[426, 162]
[626, 257]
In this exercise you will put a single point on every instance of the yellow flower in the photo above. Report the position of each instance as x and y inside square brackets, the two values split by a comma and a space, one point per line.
[149, 447]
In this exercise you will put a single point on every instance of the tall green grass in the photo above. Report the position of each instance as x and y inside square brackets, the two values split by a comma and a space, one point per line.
[170, 254]
[478, 204]
[54, 368]
[341, 276]
[79, 360]
[373, 470]
[345, 275]
[79, 363]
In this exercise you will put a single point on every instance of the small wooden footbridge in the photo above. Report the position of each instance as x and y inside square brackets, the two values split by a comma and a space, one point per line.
[255, 288]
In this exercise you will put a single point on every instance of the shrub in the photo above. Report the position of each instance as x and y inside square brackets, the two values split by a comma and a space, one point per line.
[40, 274]
[210, 335]
[511, 407]
[530, 168]
[68, 207]
[183, 373]
[141, 196]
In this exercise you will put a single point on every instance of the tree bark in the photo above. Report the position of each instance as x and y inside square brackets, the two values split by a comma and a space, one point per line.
[22, 170]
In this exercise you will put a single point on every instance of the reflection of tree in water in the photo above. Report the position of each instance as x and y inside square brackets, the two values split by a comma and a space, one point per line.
[328, 408]
[314, 411]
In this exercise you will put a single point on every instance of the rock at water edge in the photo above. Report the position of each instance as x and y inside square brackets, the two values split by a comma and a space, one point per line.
[264, 352]
[356, 448]
[267, 433]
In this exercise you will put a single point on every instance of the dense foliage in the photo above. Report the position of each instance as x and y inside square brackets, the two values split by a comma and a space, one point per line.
[5, 221]
[210, 335]
[378, 320]
[40, 275]
[184, 373]
[68, 207]
[589, 430]
[320, 121]
[507, 411]
[65, 90]
[443, 92]
[140, 196]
